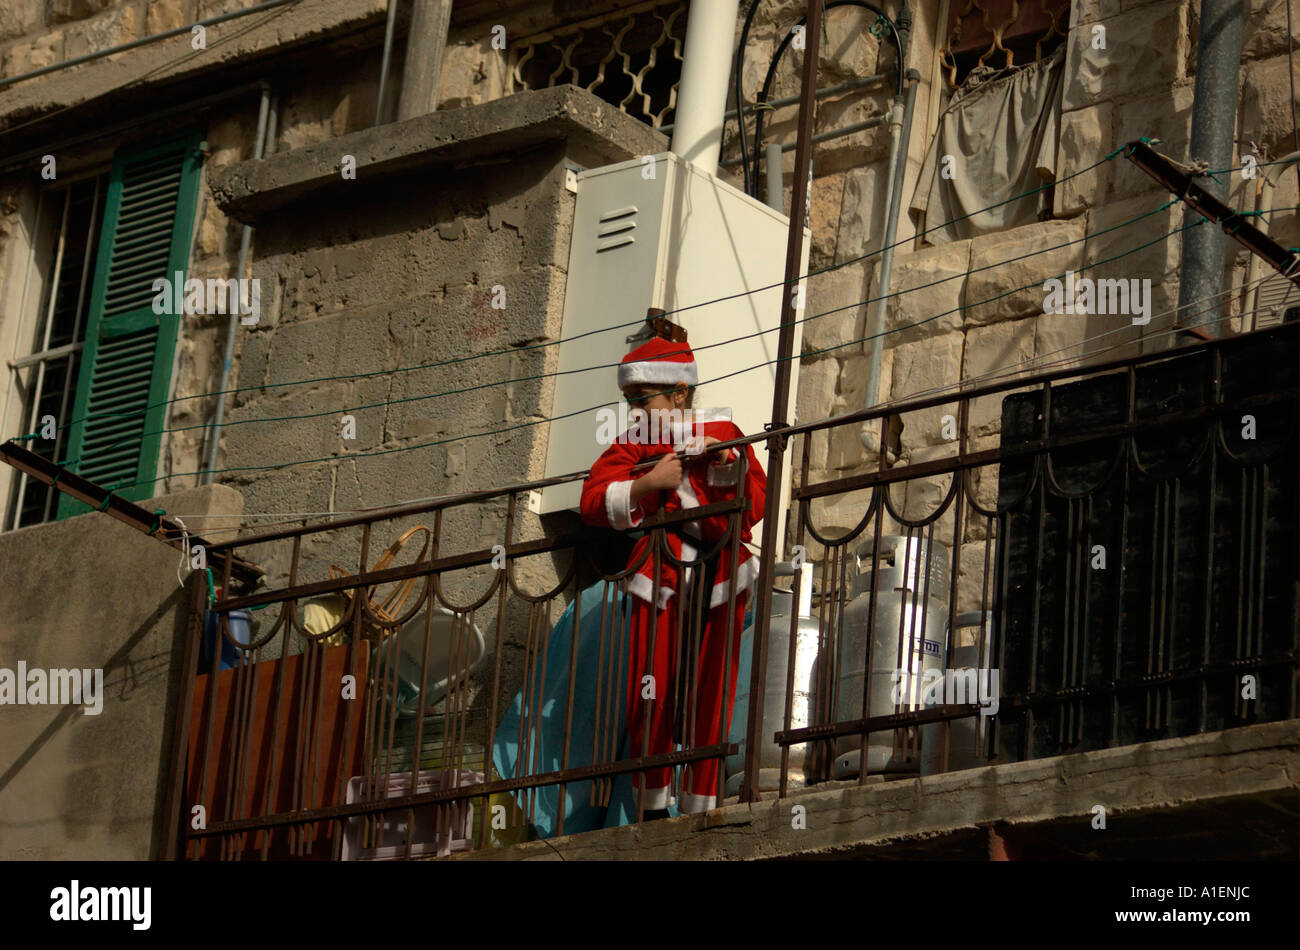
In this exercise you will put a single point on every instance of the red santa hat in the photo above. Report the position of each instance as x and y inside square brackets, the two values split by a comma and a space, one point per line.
[658, 361]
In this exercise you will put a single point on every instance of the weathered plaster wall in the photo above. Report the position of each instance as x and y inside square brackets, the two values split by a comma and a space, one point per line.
[91, 592]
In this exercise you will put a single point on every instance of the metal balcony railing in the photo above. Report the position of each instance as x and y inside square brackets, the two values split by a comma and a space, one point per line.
[1081, 559]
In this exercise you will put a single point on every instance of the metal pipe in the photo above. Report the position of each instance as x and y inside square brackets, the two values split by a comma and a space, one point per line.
[901, 131]
[1214, 112]
[822, 93]
[99, 54]
[702, 91]
[426, 42]
[823, 136]
[228, 354]
[384, 64]
[773, 176]
[780, 406]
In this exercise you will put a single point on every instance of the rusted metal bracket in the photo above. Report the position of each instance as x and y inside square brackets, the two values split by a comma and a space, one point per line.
[1237, 225]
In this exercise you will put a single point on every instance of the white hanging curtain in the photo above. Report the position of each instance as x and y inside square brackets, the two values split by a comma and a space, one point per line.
[1001, 134]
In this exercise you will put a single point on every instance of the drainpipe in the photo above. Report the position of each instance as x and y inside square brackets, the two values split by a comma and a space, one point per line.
[772, 174]
[706, 74]
[900, 133]
[1214, 114]
[425, 45]
[264, 116]
[390, 27]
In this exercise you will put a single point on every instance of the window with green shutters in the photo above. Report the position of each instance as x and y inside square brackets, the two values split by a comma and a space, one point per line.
[120, 406]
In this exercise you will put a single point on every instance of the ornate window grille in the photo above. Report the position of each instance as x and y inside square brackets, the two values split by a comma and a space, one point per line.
[631, 58]
[997, 34]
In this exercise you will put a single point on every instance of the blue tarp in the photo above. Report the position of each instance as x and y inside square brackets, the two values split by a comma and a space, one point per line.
[547, 742]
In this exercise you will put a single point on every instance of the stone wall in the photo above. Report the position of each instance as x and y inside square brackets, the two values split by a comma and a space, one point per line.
[91, 592]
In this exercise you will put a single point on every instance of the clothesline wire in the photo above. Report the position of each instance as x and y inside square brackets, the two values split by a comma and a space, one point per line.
[1004, 371]
[622, 326]
[591, 368]
[548, 419]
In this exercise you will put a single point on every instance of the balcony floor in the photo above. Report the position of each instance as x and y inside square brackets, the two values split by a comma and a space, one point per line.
[1222, 795]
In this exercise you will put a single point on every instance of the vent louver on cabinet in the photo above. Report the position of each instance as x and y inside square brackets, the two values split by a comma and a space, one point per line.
[119, 412]
[1277, 296]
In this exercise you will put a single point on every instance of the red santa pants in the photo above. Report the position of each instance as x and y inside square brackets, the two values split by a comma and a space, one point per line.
[705, 703]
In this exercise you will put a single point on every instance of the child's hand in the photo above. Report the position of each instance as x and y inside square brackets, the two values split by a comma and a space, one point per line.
[666, 474]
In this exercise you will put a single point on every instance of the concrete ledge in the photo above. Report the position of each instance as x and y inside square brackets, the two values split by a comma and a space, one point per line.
[252, 189]
[1229, 794]
[164, 62]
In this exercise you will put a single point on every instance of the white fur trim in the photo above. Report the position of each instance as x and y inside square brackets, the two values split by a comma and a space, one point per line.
[746, 574]
[655, 798]
[657, 371]
[692, 804]
[638, 585]
[618, 505]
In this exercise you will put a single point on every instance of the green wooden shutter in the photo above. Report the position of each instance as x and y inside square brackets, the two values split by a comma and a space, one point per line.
[127, 361]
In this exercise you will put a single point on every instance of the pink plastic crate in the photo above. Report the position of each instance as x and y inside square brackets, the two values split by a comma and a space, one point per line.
[392, 826]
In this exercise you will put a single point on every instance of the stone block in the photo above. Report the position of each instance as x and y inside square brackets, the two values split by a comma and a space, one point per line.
[63, 11]
[1087, 12]
[19, 17]
[817, 386]
[1267, 110]
[1071, 337]
[930, 498]
[838, 294]
[337, 345]
[112, 28]
[1001, 350]
[472, 73]
[44, 50]
[1264, 33]
[824, 218]
[164, 15]
[925, 293]
[1085, 138]
[1023, 257]
[981, 488]
[850, 51]
[862, 221]
[919, 368]
[257, 434]
[1116, 252]
[976, 585]
[1129, 64]
[1165, 114]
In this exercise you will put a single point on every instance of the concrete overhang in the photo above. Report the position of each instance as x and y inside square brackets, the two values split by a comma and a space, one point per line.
[170, 70]
[596, 133]
[1229, 795]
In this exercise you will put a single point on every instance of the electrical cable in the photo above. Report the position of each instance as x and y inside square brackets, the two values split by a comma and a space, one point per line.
[1004, 371]
[785, 43]
[634, 323]
[463, 390]
[535, 422]
[471, 358]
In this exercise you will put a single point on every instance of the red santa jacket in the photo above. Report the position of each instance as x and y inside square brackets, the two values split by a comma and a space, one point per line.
[606, 500]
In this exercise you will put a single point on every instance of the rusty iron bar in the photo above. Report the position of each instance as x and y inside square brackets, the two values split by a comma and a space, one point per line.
[477, 790]
[781, 399]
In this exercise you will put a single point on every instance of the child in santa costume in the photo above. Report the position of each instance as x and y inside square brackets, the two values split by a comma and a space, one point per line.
[659, 377]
